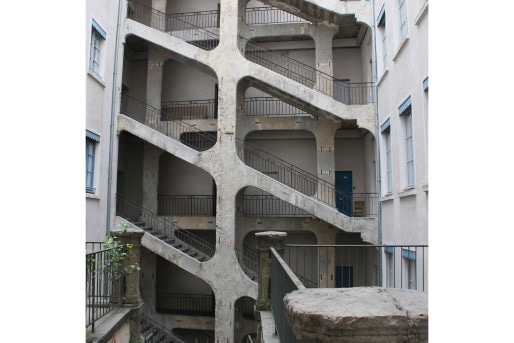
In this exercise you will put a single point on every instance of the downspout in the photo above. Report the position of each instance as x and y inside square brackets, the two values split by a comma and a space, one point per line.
[113, 107]
[377, 139]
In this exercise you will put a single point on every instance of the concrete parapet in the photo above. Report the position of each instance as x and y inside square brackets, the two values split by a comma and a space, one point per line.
[360, 314]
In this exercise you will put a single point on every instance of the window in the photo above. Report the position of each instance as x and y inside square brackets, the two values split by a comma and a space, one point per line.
[425, 84]
[91, 141]
[386, 131]
[382, 38]
[389, 255]
[409, 257]
[97, 37]
[405, 111]
[403, 19]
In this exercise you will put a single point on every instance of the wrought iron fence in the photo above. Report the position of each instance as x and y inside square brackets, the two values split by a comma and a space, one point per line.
[94, 246]
[175, 24]
[270, 206]
[154, 332]
[158, 226]
[248, 260]
[160, 121]
[190, 304]
[190, 109]
[186, 205]
[392, 266]
[348, 93]
[104, 286]
[270, 15]
[283, 281]
[299, 179]
[270, 106]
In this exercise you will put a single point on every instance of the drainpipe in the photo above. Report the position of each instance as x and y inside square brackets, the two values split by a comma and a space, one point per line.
[377, 136]
[113, 107]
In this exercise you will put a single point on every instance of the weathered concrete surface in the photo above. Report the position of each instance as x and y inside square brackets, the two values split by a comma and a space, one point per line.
[360, 314]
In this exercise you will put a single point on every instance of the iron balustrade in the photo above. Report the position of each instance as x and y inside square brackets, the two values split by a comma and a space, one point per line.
[158, 226]
[253, 156]
[270, 106]
[190, 109]
[271, 15]
[94, 246]
[345, 92]
[299, 179]
[160, 121]
[201, 19]
[247, 307]
[270, 206]
[174, 24]
[104, 288]
[283, 281]
[360, 265]
[189, 304]
[157, 332]
[186, 205]
[248, 260]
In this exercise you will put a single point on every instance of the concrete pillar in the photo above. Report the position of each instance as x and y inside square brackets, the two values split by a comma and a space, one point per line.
[323, 35]
[148, 279]
[325, 154]
[132, 278]
[156, 58]
[150, 176]
[267, 240]
[326, 257]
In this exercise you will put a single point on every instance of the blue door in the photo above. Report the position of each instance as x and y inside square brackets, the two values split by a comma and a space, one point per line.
[344, 186]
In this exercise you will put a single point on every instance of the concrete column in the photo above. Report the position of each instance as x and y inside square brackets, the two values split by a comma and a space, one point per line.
[324, 133]
[132, 279]
[148, 280]
[150, 176]
[326, 257]
[266, 240]
[156, 59]
[323, 35]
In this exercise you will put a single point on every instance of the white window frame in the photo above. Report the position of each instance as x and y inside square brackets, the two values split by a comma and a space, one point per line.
[98, 36]
[389, 163]
[95, 50]
[404, 26]
[382, 34]
[409, 150]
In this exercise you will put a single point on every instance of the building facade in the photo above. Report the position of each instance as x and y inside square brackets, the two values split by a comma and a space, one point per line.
[210, 121]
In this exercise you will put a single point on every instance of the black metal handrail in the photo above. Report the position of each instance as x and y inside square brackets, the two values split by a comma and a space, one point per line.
[201, 19]
[159, 331]
[253, 156]
[158, 226]
[104, 290]
[283, 281]
[186, 205]
[270, 15]
[295, 177]
[248, 260]
[166, 123]
[172, 24]
[359, 265]
[270, 106]
[347, 93]
[190, 109]
[270, 206]
[180, 303]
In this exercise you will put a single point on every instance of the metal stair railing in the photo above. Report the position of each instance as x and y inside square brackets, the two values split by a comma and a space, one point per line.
[251, 155]
[173, 25]
[248, 259]
[157, 331]
[290, 175]
[270, 15]
[167, 124]
[347, 93]
[157, 226]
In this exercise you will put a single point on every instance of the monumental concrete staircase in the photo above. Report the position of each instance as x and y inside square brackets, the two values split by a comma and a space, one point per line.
[280, 76]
